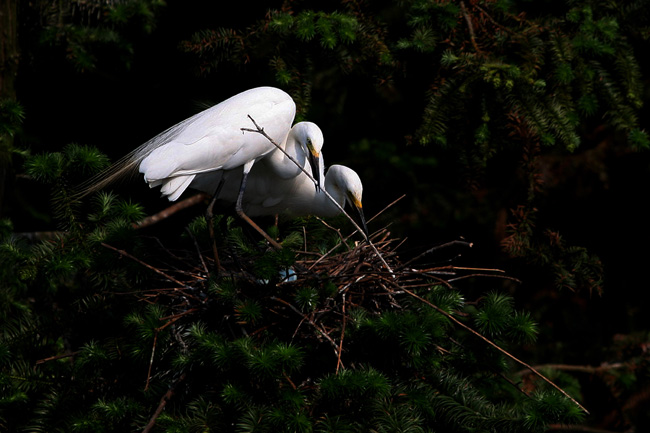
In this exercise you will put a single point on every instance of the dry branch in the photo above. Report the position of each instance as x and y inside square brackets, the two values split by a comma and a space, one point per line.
[171, 210]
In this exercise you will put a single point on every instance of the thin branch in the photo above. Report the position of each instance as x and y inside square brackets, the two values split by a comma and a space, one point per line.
[576, 428]
[493, 21]
[387, 207]
[503, 277]
[166, 213]
[125, 254]
[437, 247]
[153, 353]
[54, 358]
[338, 232]
[578, 368]
[163, 401]
[338, 361]
[470, 26]
[198, 250]
[312, 323]
[172, 320]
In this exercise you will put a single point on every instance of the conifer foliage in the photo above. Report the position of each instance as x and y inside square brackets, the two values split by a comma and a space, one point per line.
[106, 328]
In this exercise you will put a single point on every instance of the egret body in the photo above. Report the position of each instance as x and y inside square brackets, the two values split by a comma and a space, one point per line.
[212, 143]
[268, 195]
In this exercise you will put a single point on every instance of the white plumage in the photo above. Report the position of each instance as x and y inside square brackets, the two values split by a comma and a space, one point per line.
[213, 141]
[211, 153]
[211, 145]
[269, 195]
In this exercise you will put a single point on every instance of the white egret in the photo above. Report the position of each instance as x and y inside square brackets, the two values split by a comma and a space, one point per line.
[269, 195]
[212, 141]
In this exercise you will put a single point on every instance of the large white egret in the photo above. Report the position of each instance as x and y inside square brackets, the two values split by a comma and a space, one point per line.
[212, 143]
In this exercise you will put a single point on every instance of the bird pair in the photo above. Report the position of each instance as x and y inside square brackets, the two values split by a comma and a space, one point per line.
[274, 169]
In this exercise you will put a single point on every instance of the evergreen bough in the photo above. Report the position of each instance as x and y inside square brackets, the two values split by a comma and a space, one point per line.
[105, 328]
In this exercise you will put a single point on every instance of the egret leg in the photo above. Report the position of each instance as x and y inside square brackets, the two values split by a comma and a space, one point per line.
[210, 218]
[240, 210]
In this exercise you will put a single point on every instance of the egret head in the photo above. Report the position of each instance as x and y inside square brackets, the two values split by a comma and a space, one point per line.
[355, 201]
[311, 137]
[348, 183]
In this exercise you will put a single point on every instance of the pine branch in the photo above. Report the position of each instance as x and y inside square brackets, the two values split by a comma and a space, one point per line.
[497, 347]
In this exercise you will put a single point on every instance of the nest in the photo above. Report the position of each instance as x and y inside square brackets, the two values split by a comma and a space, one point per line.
[367, 274]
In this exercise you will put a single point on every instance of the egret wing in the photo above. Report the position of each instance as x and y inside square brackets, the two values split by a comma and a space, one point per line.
[213, 139]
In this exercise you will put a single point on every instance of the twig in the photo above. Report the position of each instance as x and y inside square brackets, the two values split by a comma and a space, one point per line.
[493, 21]
[174, 317]
[576, 428]
[437, 247]
[470, 26]
[125, 254]
[503, 277]
[338, 361]
[163, 401]
[387, 207]
[311, 322]
[54, 358]
[198, 250]
[166, 213]
[172, 320]
[153, 352]
[261, 131]
[578, 368]
[338, 232]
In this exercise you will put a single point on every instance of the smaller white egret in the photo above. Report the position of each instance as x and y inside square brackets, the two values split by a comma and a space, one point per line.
[266, 195]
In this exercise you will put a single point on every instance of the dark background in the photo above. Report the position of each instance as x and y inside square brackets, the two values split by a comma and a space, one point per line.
[596, 197]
